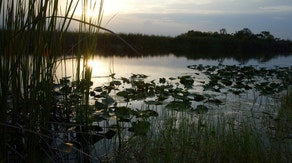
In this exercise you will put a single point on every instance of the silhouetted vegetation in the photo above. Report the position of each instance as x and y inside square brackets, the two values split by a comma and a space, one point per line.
[241, 45]
[192, 43]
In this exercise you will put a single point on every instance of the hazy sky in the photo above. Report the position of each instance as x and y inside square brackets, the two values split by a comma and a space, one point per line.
[173, 17]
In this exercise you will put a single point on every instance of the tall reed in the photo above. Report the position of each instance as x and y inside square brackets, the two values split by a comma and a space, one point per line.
[206, 138]
[32, 35]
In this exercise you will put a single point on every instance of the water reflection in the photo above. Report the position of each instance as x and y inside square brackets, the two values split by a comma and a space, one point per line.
[234, 105]
[155, 66]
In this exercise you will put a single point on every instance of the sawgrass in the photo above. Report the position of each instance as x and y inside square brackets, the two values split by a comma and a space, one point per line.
[31, 41]
[188, 137]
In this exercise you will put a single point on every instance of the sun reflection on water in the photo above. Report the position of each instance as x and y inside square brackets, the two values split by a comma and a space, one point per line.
[99, 68]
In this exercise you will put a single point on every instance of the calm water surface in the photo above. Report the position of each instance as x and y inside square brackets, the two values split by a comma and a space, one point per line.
[155, 67]
[165, 66]
[248, 104]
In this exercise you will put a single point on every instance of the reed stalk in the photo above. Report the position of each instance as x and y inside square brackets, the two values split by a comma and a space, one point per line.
[32, 35]
[206, 138]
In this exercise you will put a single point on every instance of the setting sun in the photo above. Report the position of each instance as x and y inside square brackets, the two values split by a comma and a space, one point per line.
[109, 8]
[114, 6]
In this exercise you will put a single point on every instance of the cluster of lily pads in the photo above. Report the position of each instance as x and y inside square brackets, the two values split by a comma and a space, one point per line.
[112, 101]
[238, 79]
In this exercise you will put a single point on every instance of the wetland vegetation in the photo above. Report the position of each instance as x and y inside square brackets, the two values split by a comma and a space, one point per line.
[193, 44]
[222, 113]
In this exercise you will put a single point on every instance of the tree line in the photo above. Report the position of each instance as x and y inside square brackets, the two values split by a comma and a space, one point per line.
[192, 43]
[241, 42]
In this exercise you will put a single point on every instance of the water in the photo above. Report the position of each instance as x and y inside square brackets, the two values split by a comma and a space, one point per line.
[172, 66]
[159, 66]
[166, 66]
[249, 104]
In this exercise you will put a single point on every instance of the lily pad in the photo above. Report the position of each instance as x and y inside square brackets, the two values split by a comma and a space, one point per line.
[187, 81]
[123, 112]
[140, 128]
[201, 109]
[179, 105]
[215, 101]
[98, 89]
[199, 98]
[146, 113]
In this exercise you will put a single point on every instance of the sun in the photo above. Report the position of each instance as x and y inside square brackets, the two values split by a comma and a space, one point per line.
[114, 6]
[108, 7]
[92, 8]
[92, 13]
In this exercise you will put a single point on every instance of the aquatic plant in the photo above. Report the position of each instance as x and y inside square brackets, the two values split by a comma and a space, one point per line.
[185, 137]
[32, 36]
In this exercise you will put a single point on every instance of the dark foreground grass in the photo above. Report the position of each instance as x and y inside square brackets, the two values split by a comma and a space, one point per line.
[188, 137]
[31, 40]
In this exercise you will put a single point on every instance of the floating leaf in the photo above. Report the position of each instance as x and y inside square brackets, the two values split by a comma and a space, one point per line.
[123, 112]
[125, 80]
[98, 89]
[162, 80]
[108, 100]
[236, 92]
[198, 97]
[162, 97]
[110, 134]
[187, 81]
[146, 113]
[140, 128]
[201, 109]
[115, 82]
[226, 82]
[179, 105]
[92, 93]
[66, 89]
[99, 105]
[215, 101]
[65, 80]
[96, 128]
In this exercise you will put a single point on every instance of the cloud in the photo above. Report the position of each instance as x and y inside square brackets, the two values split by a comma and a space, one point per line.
[280, 8]
[173, 17]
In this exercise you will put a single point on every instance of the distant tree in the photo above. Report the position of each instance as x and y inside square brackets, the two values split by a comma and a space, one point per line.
[266, 35]
[223, 31]
[244, 33]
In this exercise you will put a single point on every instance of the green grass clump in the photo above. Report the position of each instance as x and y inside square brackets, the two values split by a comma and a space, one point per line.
[193, 138]
[31, 43]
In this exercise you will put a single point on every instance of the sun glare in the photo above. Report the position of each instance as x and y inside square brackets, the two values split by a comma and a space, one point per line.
[99, 68]
[114, 6]
[110, 7]
[94, 63]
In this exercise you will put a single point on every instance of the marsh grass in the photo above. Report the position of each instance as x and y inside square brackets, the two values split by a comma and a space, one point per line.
[282, 130]
[32, 36]
[188, 137]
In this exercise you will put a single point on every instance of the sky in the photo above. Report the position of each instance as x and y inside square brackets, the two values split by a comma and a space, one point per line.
[173, 17]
